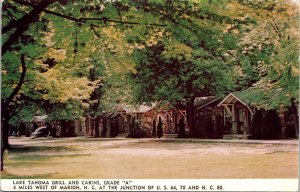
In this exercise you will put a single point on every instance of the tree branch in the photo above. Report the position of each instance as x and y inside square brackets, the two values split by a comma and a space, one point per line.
[19, 85]
[22, 24]
[171, 19]
[276, 29]
[83, 19]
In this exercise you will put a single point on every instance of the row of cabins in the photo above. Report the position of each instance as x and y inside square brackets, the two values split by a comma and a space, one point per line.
[230, 117]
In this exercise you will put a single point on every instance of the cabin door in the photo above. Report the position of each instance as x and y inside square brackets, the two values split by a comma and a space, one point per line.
[241, 121]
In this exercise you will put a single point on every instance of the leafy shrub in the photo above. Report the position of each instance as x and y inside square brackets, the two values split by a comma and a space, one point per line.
[154, 128]
[159, 128]
[136, 131]
[266, 125]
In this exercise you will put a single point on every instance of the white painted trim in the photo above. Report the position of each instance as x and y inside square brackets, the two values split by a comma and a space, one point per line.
[228, 110]
[225, 99]
[221, 103]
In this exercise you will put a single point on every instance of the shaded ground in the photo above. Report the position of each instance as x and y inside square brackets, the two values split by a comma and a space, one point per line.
[149, 158]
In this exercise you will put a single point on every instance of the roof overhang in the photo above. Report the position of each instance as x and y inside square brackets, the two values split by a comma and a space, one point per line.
[232, 99]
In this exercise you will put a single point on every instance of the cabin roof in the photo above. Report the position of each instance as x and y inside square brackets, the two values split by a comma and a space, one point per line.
[246, 97]
[140, 108]
[201, 102]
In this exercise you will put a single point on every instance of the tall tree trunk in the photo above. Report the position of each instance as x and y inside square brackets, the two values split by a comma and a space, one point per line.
[2, 146]
[104, 129]
[190, 114]
[97, 122]
[5, 104]
[4, 137]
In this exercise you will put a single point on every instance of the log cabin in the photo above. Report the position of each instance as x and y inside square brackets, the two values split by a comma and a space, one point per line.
[241, 108]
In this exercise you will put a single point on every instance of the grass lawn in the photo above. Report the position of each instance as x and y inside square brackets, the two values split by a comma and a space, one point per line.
[146, 158]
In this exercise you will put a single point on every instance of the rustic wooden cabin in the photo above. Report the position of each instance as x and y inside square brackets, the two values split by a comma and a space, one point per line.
[60, 128]
[164, 110]
[179, 112]
[89, 126]
[243, 119]
[237, 114]
[208, 117]
[116, 113]
[120, 115]
[145, 114]
[66, 128]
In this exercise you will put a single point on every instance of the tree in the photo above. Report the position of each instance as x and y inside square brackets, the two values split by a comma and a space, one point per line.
[266, 125]
[154, 50]
[90, 29]
[183, 61]
[154, 128]
[159, 128]
[269, 47]
[257, 124]
[212, 50]
[56, 83]
[112, 128]
[104, 128]
[181, 133]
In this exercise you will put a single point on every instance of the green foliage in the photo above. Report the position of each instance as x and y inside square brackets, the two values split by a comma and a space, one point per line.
[266, 125]
[270, 49]
[141, 51]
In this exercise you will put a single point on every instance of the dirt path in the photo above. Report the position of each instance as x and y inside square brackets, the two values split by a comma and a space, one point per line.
[146, 158]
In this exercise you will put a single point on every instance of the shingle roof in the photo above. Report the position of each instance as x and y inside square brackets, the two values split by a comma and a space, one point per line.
[267, 99]
[203, 101]
[139, 109]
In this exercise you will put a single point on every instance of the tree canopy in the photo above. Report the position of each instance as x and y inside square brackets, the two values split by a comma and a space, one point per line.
[68, 58]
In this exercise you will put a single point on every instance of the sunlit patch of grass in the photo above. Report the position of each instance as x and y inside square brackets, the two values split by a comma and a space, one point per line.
[22, 160]
[28, 160]
[6, 175]
[31, 158]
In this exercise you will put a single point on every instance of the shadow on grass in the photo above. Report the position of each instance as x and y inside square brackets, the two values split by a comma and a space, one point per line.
[99, 139]
[27, 149]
